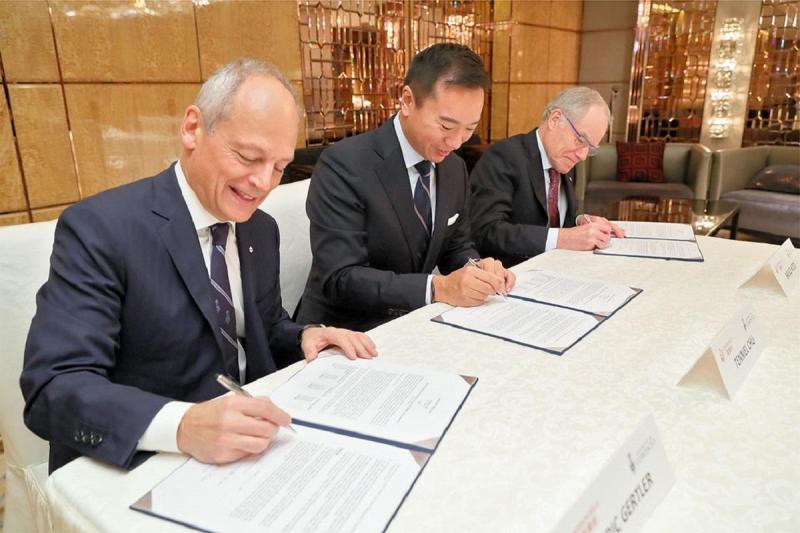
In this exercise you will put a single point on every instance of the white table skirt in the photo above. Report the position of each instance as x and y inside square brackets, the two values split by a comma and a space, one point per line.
[538, 428]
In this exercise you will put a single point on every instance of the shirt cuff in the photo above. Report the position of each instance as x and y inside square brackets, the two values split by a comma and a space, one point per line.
[162, 433]
[552, 239]
[429, 285]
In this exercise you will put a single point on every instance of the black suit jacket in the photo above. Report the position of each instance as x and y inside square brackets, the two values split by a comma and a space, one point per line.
[508, 208]
[368, 264]
[125, 322]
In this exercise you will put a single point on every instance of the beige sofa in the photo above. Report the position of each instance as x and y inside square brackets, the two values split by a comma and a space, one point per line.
[24, 266]
[776, 213]
[686, 167]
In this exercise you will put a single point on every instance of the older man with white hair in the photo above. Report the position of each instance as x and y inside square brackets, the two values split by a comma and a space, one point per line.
[158, 286]
[523, 195]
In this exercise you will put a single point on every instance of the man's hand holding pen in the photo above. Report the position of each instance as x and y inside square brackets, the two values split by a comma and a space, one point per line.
[471, 285]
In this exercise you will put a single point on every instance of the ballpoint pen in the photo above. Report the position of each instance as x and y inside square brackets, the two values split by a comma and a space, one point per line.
[473, 262]
[587, 218]
[230, 384]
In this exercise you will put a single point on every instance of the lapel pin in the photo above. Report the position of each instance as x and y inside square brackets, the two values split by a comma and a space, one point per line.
[251, 249]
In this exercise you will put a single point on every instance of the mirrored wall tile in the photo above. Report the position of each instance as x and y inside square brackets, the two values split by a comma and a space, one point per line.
[43, 140]
[532, 12]
[125, 132]
[526, 103]
[566, 14]
[12, 192]
[48, 213]
[502, 10]
[265, 30]
[26, 41]
[10, 219]
[115, 40]
[500, 52]
[564, 56]
[530, 48]
[499, 126]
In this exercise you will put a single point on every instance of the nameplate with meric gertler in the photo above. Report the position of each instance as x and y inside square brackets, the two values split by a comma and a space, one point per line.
[628, 489]
[783, 265]
[737, 347]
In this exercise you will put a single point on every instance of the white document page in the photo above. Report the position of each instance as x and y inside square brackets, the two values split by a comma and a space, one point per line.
[534, 324]
[314, 481]
[687, 250]
[656, 230]
[586, 295]
[371, 397]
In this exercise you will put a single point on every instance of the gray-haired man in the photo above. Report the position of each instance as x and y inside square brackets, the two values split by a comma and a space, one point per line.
[158, 286]
[523, 202]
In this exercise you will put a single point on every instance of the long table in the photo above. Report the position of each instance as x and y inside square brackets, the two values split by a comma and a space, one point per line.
[538, 428]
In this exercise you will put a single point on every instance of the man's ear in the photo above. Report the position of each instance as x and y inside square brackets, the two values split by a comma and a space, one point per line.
[554, 118]
[406, 100]
[191, 127]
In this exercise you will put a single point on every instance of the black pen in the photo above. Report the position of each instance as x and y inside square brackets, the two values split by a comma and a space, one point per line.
[230, 384]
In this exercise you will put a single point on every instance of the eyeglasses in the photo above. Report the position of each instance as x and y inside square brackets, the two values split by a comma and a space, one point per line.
[580, 140]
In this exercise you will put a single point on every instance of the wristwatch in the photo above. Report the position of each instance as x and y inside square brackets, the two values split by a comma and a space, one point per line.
[307, 326]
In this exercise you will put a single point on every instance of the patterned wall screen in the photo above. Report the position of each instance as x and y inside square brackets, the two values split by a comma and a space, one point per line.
[773, 107]
[670, 68]
[355, 54]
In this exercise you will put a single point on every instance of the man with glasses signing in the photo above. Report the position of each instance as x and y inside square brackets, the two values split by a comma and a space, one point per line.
[523, 201]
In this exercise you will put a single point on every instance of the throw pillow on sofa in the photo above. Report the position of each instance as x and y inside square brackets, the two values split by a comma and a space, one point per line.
[641, 162]
[777, 178]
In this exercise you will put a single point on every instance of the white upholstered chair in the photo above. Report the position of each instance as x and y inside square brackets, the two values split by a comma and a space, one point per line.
[24, 264]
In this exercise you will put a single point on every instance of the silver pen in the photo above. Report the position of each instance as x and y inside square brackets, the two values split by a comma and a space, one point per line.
[473, 262]
[230, 384]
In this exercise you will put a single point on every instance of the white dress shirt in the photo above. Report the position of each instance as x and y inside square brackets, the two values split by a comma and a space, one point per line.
[552, 233]
[162, 433]
[411, 157]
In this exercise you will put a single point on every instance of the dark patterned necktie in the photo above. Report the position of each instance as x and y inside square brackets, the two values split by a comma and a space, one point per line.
[223, 299]
[554, 218]
[422, 195]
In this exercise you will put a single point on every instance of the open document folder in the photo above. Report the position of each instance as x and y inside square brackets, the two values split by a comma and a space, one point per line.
[365, 430]
[546, 310]
[656, 240]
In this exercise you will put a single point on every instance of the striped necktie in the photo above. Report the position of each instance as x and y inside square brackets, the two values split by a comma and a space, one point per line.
[422, 195]
[553, 216]
[223, 301]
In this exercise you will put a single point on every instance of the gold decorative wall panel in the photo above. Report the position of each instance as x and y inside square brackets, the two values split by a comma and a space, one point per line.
[13, 191]
[668, 80]
[125, 132]
[48, 213]
[355, 54]
[44, 144]
[773, 114]
[10, 219]
[263, 30]
[124, 41]
[27, 46]
[530, 61]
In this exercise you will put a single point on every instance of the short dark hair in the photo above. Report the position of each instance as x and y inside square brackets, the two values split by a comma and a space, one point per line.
[455, 64]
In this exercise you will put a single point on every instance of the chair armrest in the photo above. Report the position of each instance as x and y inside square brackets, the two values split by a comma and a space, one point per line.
[732, 169]
[697, 175]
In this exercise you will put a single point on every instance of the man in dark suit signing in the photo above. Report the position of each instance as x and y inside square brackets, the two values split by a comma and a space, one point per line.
[523, 197]
[158, 286]
[388, 206]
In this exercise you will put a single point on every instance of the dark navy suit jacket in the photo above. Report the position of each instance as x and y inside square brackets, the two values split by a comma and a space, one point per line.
[509, 203]
[371, 261]
[125, 322]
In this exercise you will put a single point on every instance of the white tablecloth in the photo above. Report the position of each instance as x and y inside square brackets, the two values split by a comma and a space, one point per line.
[538, 428]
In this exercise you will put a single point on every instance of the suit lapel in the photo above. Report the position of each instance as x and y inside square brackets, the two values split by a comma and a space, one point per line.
[393, 175]
[535, 171]
[180, 239]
